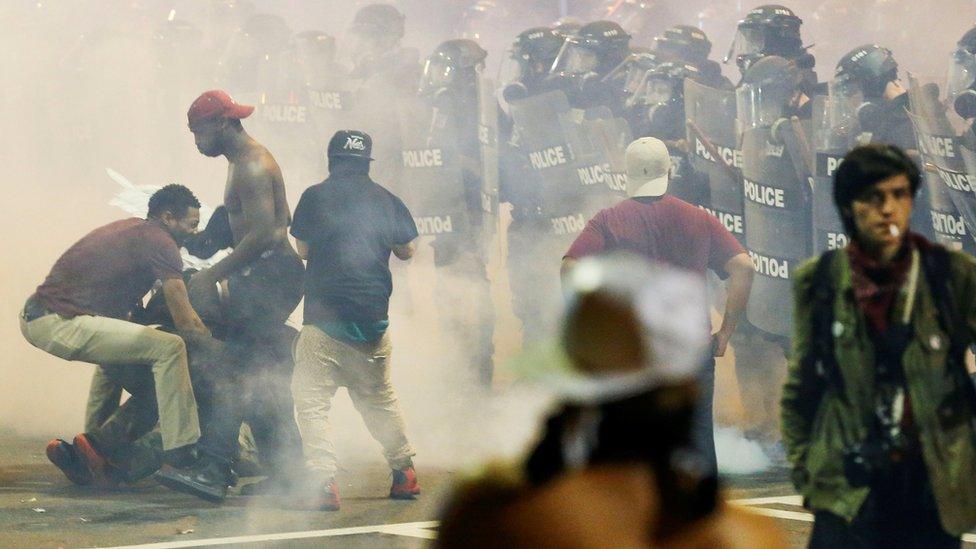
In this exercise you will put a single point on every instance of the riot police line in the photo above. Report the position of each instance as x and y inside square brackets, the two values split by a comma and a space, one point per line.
[547, 132]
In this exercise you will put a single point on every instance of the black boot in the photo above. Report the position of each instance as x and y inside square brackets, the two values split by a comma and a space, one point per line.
[207, 479]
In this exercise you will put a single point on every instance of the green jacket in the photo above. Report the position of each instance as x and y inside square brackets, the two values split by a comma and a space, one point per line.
[818, 424]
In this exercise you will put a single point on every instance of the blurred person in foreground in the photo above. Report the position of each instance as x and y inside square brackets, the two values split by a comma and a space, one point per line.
[663, 228]
[615, 465]
[83, 312]
[346, 228]
[878, 408]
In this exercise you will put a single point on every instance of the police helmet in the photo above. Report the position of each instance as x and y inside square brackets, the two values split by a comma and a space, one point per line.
[598, 47]
[266, 33]
[537, 45]
[766, 30]
[870, 67]
[380, 19]
[449, 63]
[684, 41]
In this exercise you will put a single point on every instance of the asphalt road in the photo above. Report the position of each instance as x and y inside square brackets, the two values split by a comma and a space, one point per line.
[40, 508]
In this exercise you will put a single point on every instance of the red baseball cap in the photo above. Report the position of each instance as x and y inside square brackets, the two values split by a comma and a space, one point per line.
[216, 103]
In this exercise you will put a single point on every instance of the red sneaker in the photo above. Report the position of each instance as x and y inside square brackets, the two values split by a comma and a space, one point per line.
[63, 456]
[325, 498]
[405, 485]
[93, 461]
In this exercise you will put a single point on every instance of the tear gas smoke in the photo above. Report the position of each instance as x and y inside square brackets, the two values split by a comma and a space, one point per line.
[94, 84]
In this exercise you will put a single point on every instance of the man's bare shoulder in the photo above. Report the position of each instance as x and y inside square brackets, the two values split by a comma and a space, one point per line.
[257, 170]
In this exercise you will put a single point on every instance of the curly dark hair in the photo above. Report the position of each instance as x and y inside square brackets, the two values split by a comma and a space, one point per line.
[172, 198]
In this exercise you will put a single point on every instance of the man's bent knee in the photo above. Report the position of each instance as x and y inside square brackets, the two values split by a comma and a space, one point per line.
[169, 345]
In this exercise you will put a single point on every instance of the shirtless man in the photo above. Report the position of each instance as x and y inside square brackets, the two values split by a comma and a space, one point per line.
[264, 282]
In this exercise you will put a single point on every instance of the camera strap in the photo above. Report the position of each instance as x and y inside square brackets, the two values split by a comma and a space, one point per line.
[823, 294]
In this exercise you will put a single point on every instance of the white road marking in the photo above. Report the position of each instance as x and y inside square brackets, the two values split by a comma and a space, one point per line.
[412, 529]
[424, 530]
[785, 500]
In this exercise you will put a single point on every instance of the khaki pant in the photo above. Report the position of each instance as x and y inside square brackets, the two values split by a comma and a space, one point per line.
[102, 340]
[322, 365]
[104, 397]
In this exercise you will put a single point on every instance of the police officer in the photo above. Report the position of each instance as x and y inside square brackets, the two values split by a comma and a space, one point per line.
[373, 46]
[871, 73]
[690, 45]
[657, 109]
[771, 91]
[450, 84]
[641, 19]
[776, 86]
[533, 54]
[255, 55]
[773, 30]
[315, 57]
[623, 82]
[585, 58]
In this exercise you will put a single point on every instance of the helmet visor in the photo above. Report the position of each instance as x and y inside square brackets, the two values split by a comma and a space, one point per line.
[748, 42]
[962, 73]
[655, 90]
[437, 75]
[844, 97]
[758, 106]
[575, 59]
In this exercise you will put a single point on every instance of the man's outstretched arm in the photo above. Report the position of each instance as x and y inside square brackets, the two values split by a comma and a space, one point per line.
[741, 271]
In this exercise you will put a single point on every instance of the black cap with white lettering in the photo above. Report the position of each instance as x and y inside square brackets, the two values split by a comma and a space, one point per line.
[352, 143]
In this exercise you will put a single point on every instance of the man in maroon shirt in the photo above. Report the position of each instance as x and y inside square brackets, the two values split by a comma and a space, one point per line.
[82, 312]
[665, 229]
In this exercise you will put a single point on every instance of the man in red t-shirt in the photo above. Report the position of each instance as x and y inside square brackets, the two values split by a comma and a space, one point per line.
[665, 229]
[82, 312]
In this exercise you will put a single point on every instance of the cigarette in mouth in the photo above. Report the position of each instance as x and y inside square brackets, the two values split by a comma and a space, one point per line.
[893, 229]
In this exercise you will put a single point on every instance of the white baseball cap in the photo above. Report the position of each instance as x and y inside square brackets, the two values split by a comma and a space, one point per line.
[670, 310]
[648, 165]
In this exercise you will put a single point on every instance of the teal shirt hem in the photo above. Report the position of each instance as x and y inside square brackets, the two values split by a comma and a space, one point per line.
[355, 332]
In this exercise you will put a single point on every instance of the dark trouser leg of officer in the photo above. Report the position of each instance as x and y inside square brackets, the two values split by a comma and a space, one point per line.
[464, 301]
[899, 512]
[534, 288]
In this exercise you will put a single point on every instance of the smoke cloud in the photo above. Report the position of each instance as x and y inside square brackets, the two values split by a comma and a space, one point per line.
[87, 87]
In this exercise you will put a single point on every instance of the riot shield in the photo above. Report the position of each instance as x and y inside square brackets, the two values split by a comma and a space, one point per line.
[777, 212]
[550, 137]
[604, 141]
[833, 136]
[714, 151]
[951, 202]
[431, 176]
[331, 104]
[488, 138]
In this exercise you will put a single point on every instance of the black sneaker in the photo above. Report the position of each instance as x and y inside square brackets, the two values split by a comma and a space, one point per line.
[206, 480]
[63, 456]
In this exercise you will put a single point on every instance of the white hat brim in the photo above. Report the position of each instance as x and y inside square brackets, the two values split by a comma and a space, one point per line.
[651, 188]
